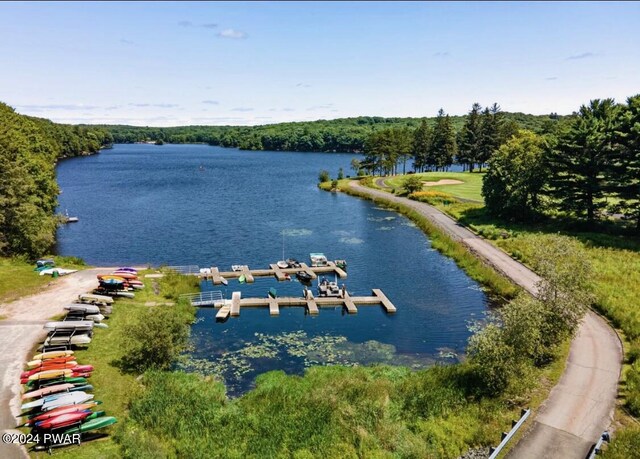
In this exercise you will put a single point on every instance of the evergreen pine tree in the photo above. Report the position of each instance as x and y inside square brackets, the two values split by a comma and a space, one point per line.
[470, 138]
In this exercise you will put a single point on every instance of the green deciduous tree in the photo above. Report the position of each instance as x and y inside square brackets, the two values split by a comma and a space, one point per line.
[413, 184]
[516, 176]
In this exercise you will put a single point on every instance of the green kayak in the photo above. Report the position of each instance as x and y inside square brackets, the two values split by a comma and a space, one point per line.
[273, 293]
[242, 279]
[93, 424]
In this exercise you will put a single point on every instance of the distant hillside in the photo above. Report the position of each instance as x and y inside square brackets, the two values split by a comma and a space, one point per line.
[344, 134]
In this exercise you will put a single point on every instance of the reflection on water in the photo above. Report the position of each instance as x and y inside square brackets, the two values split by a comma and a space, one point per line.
[150, 204]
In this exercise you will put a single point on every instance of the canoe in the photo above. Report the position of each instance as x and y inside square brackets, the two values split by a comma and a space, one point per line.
[90, 298]
[40, 363]
[49, 398]
[93, 424]
[48, 390]
[76, 340]
[77, 325]
[51, 355]
[65, 420]
[54, 366]
[50, 374]
[83, 308]
[74, 398]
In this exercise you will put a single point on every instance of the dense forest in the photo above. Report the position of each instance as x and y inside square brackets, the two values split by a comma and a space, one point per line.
[345, 134]
[29, 150]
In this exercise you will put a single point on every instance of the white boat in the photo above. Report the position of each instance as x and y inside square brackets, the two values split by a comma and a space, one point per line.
[238, 268]
[96, 318]
[69, 325]
[318, 259]
[90, 298]
[329, 289]
[282, 264]
[76, 340]
[60, 271]
[86, 308]
[73, 398]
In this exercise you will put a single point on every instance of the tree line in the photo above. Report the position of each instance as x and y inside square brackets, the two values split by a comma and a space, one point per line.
[29, 150]
[339, 135]
[435, 144]
[590, 168]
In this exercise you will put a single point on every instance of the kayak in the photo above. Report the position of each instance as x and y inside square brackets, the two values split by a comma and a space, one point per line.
[50, 374]
[128, 269]
[51, 355]
[75, 380]
[48, 390]
[242, 279]
[52, 366]
[74, 398]
[65, 420]
[41, 401]
[41, 416]
[40, 363]
[94, 424]
[123, 274]
[106, 277]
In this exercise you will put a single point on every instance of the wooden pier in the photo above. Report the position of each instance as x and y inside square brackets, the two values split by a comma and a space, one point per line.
[218, 277]
[313, 304]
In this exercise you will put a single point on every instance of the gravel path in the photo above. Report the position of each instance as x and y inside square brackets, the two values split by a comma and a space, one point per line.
[20, 332]
[581, 406]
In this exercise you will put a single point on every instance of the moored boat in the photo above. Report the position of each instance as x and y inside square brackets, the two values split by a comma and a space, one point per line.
[318, 259]
[304, 276]
[273, 293]
[328, 289]
[342, 264]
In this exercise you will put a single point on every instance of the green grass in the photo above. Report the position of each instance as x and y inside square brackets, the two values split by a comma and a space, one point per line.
[17, 279]
[470, 189]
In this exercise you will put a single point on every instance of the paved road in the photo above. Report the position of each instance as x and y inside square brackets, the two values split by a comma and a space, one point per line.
[581, 406]
[18, 335]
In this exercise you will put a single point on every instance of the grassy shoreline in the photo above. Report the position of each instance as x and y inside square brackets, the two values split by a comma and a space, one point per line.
[616, 285]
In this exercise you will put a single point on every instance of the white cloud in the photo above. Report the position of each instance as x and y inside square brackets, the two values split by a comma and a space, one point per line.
[232, 33]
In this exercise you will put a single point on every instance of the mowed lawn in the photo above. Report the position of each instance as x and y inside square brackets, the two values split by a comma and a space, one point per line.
[469, 189]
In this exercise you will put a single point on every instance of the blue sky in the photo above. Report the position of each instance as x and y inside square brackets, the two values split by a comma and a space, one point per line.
[183, 63]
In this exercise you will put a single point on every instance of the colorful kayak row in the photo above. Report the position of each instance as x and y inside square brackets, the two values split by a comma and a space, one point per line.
[119, 282]
[58, 398]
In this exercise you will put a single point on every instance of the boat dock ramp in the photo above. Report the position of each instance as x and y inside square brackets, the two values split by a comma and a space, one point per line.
[221, 277]
[312, 304]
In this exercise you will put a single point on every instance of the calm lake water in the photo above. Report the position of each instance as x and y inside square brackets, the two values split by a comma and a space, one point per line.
[211, 206]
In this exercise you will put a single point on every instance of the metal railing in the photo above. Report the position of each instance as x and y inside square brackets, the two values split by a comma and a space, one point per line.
[507, 436]
[597, 448]
[208, 298]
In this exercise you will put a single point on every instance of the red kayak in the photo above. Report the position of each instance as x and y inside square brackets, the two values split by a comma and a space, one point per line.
[59, 411]
[57, 366]
[63, 420]
[39, 363]
[73, 366]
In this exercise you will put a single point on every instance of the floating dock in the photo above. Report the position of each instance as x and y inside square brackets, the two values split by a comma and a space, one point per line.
[218, 277]
[312, 304]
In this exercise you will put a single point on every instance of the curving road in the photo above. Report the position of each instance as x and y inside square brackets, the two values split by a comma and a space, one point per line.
[581, 406]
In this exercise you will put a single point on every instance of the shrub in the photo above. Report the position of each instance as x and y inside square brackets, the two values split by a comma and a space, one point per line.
[324, 176]
[413, 184]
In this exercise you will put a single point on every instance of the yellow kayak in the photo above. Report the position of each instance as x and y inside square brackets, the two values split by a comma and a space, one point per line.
[111, 276]
[51, 355]
[50, 374]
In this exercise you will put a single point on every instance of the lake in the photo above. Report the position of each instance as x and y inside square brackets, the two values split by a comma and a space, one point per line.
[212, 206]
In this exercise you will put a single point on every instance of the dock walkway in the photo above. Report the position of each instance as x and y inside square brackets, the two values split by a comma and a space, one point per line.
[218, 277]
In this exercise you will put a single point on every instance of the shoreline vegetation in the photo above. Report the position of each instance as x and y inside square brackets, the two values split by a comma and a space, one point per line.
[613, 255]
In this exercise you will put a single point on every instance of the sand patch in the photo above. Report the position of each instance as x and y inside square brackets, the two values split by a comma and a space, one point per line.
[443, 182]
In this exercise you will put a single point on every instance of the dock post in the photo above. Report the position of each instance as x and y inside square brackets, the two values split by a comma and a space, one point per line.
[235, 303]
